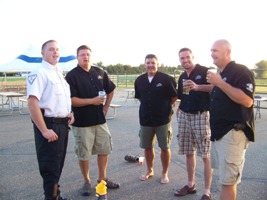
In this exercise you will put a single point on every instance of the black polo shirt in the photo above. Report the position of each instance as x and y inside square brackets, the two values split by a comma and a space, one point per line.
[224, 112]
[196, 100]
[85, 84]
[155, 97]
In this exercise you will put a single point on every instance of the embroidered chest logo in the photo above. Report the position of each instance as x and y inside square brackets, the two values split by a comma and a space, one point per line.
[159, 85]
[198, 77]
[99, 77]
[32, 78]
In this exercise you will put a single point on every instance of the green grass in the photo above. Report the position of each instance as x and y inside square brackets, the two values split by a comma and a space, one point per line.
[12, 79]
[261, 81]
[261, 89]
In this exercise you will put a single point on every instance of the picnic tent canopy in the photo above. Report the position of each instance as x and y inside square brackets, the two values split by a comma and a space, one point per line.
[31, 59]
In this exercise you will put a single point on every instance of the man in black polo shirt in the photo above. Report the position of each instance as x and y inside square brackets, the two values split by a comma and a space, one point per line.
[156, 92]
[193, 121]
[232, 120]
[90, 130]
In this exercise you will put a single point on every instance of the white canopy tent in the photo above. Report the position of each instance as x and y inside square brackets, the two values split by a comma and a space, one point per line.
[31, 58]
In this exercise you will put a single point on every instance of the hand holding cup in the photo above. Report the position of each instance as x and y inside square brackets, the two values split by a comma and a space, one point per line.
[186, 87]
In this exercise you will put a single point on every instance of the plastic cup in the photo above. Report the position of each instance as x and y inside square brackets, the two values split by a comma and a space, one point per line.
[141, 160]
[213, 70]
[101, 93]
[185, 89]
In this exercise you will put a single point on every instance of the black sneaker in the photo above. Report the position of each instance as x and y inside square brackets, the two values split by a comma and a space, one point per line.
[101, 197]
[86, 189]
[131, 158]
[110, 184]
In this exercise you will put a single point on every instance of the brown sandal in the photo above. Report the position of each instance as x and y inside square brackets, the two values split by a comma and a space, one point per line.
[185, 190]
[206, 197]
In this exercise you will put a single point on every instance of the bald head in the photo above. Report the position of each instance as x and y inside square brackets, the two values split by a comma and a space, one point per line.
[221, 53]
[225, 43]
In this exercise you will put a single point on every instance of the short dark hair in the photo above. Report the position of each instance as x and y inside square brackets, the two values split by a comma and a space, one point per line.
[83, 47]
[44, 44]
[151, 56]
[185, 49]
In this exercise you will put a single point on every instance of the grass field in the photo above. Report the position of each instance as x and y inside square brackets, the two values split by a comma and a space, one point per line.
[122, 81]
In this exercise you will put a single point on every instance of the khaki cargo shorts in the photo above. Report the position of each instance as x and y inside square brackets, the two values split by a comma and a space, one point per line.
[228, 155]
[91, 140]
[163, 133]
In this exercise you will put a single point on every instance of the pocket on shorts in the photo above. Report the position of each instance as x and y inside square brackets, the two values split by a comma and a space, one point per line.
[234, 160]
[78, 148]
[206, 143]
[233, 170]
[80, 153]
[240, 138]
[236, 149]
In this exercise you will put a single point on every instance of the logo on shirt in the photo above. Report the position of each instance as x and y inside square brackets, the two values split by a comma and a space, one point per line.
[249, 87]
[159, 85]
[99, 77]
[198, 77]
[31, 78]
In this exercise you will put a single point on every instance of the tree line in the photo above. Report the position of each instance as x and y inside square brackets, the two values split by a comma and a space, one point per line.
[128, 69]
[260, 69]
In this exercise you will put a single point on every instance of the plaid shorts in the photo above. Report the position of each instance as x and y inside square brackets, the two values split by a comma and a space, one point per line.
[194, 133]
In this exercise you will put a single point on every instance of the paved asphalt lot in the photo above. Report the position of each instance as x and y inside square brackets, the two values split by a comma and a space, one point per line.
[20, 179]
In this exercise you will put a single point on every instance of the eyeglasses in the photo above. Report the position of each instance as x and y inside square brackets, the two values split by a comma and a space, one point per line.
[84, 54]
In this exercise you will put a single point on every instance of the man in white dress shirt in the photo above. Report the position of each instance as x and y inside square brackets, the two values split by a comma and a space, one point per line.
[49, 104]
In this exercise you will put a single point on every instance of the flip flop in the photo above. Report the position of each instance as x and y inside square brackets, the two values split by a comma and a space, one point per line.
[164, 180]
[185, 190]
[145, 177]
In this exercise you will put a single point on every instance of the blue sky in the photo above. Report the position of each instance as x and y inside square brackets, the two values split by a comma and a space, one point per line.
[122, 31]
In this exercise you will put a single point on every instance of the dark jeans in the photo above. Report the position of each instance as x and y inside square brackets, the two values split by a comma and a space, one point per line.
[51, 157]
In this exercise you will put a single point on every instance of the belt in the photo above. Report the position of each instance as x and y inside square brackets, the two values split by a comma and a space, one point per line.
[56, 120]
[195, 111]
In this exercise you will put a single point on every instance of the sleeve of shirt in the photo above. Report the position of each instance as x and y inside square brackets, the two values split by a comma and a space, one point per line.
[246, 82]
[108, 85]
[71, 81]
[137, 92]
[180, 88]
[173, 87]
[36, 83]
